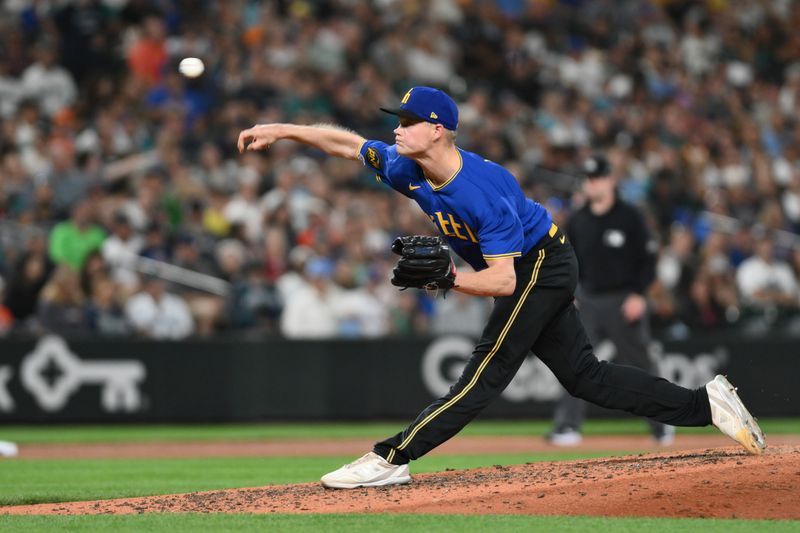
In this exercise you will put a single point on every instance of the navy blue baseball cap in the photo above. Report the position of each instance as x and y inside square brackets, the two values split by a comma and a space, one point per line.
[428, 104]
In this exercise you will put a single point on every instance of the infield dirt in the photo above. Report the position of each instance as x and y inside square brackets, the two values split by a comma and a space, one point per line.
[720, 482]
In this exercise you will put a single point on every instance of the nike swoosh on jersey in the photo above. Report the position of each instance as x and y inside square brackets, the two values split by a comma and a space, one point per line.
[413, 187]
[562, 238]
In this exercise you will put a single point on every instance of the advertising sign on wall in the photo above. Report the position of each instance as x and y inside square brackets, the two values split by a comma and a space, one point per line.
[55, 380]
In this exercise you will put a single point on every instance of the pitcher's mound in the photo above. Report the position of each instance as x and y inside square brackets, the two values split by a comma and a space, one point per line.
[723, 483]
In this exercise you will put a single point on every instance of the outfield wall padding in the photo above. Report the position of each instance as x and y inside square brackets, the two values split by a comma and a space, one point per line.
[52, 380]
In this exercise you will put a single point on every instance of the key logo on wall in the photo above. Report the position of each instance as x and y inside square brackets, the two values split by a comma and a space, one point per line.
[52, 373]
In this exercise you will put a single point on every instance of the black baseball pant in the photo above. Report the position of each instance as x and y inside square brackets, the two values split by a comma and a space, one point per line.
[540, 316]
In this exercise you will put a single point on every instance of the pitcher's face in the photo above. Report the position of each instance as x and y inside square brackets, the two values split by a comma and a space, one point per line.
[414, 137]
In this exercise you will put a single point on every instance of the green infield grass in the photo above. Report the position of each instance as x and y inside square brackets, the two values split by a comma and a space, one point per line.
[387, 522]
[328, 430]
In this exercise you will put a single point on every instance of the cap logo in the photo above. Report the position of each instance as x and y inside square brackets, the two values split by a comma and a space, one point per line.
[426, 104]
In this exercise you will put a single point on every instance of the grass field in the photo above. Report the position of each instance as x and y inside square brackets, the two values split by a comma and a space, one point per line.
[374, 523]
[51, 480]
[329, 430]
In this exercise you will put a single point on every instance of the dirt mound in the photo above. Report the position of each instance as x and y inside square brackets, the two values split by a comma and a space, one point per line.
[721, 483]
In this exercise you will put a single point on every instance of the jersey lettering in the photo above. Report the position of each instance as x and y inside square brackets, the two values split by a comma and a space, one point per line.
[471, 234]
[450, 222]
[443, 224]
[456, 226]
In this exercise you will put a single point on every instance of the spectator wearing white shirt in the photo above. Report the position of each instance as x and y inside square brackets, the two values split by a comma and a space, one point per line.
[311, 309]
[292, 280]
[48, 82]
[157, 314]
[120, 250]
[244, 207]
[766, 282]
[359, 309]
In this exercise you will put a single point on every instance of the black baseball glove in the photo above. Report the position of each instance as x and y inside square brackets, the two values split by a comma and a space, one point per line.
[425, 263]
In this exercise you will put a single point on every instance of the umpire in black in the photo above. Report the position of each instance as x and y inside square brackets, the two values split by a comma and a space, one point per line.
[617, 258]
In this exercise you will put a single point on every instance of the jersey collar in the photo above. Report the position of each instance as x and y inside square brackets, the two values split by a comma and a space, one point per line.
[437, 188]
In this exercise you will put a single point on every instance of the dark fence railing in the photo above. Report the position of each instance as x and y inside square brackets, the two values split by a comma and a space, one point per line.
[51, 380]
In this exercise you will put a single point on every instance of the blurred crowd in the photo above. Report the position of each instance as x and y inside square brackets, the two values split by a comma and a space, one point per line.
[113, 165]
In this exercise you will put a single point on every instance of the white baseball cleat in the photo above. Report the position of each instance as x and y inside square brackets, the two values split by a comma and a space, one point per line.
[371, 470]
[8, 449]
[730, 415]
[564, 437]
[666, 437]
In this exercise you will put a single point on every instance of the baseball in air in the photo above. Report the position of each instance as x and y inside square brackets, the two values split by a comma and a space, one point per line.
[191, 67]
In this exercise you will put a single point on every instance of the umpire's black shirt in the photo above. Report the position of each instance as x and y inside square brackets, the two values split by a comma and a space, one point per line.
[615, 251]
